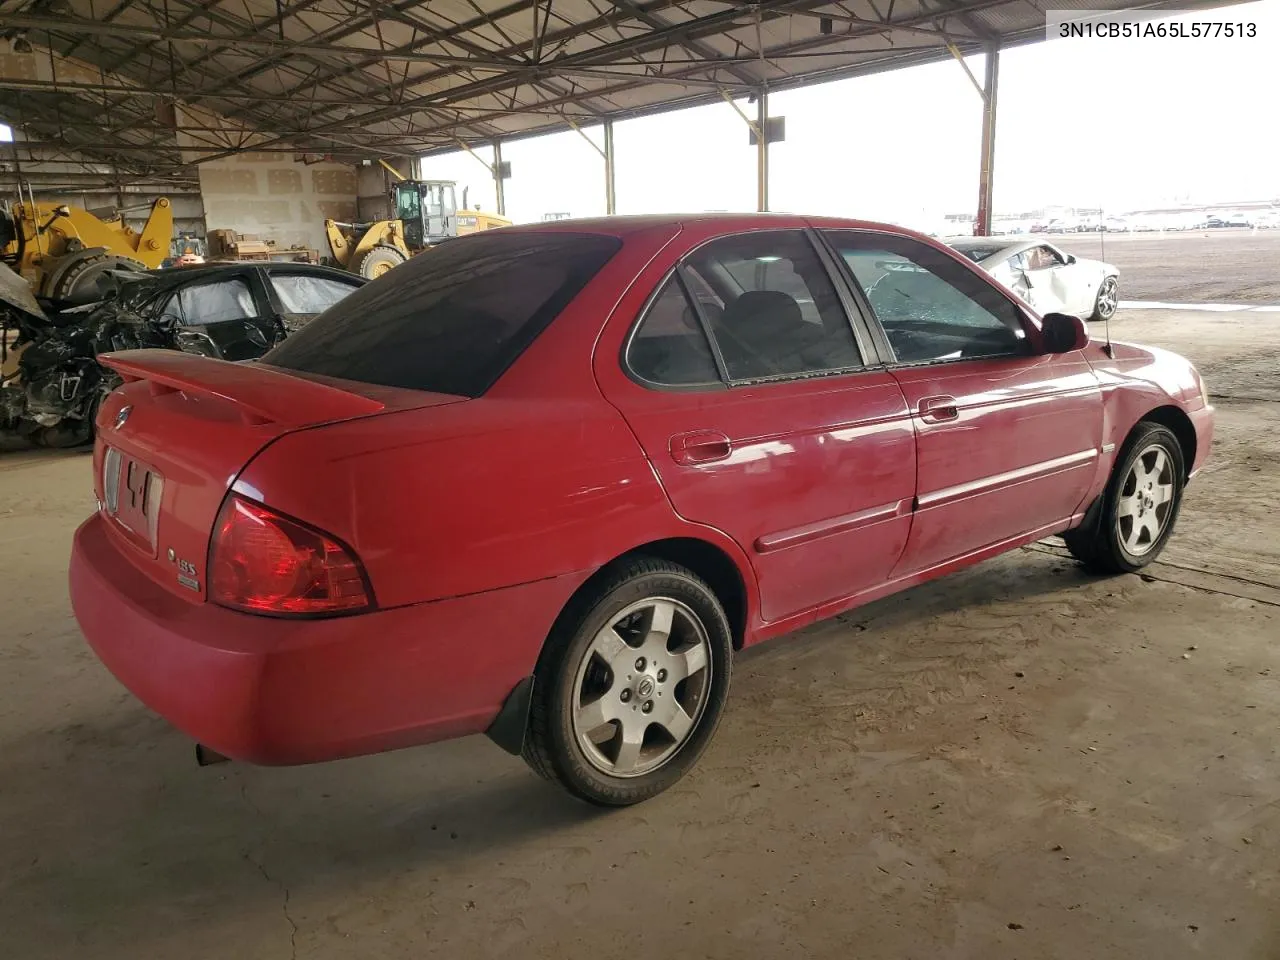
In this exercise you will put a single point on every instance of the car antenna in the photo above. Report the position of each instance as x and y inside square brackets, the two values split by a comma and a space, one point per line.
[1102, 255]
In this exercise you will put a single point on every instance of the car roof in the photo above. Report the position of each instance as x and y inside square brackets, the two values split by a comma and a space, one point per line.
[624, 226]
[182, 273]
[1002, 244]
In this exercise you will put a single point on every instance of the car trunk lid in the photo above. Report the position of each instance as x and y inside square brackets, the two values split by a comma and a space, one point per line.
[174, 437]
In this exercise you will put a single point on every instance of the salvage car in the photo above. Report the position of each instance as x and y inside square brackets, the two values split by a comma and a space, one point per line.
[545, 481]
[237, 311]
[51, 383]
[1047, 278]
[228, 311]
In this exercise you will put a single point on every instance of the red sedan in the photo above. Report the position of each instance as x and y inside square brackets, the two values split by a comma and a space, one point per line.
[542, 482]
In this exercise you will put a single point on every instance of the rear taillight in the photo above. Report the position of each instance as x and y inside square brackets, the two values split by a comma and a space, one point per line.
[262, 562]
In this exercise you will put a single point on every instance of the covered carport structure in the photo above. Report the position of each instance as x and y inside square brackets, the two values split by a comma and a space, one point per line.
[127, 93]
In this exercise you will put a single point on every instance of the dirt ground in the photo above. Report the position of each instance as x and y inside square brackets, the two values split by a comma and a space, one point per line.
[1204, 266]
[1017, 761]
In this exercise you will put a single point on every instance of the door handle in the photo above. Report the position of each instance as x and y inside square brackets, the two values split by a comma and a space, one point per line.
[938, 409]
[700, 446]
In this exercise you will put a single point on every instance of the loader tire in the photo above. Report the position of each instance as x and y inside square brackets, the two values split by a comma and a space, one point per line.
[378, 260]
[75, 279]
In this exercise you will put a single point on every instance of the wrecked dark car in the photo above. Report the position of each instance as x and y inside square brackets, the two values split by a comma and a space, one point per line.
[237, 311]
[232, 311]
[52, 382]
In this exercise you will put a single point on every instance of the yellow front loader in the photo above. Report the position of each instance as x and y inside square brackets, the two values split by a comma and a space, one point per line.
[426, 214]
[61, 250]
[369, 249]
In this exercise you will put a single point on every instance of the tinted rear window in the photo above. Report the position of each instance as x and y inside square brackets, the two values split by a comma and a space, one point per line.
[452, 319]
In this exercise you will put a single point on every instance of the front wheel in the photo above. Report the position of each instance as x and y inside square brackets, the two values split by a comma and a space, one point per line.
[1108, 298]
[379, 260]
[631, 685]
[1139, 506]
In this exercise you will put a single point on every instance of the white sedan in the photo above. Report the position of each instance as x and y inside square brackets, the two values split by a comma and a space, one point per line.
[1047, 278]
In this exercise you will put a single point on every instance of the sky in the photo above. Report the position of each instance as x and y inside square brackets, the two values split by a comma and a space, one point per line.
[1117, 124]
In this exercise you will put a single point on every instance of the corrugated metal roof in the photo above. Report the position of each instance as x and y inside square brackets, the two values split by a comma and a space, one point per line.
[356, 79]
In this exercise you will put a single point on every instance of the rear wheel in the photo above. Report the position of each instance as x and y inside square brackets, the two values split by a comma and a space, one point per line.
[631, 685]
[1139, 507]
[378, 260]
[1108, 298]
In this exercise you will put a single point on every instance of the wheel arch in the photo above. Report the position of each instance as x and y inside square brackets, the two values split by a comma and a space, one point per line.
[704, 558]
[1177, 421]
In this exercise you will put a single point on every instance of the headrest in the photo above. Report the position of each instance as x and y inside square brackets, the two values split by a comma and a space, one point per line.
[758, 311]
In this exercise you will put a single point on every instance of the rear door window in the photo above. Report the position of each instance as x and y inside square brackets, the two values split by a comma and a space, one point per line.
[452, 319]
[780, 313]
[669, 347]
[303, 294]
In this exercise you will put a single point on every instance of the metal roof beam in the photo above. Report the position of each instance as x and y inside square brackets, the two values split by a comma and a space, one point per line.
[158, 34]
[362, 23]
[695, 47]
[150, 90]
[119, 147]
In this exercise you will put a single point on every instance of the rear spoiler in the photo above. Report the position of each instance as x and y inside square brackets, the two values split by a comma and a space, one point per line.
[260, 394]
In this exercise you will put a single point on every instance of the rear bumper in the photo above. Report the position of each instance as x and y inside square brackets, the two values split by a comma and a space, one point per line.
[276, 691]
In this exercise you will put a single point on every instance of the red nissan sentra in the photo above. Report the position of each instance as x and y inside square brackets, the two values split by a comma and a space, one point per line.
[542, 482]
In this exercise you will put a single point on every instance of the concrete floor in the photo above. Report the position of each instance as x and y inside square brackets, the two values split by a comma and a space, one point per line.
[1018, 761]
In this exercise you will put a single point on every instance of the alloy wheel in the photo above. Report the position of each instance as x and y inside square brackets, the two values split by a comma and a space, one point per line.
[1108, 298]
[642, 687]
[1145, 503]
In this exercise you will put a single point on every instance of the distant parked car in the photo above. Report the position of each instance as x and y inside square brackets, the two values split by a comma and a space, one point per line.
[1047, 278]
[1239, 220]
[1114, 225]
[236, 311]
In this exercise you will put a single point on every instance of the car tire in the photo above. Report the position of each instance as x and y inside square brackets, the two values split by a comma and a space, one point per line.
[1139, 507]
[631, 684]
[1106, 300]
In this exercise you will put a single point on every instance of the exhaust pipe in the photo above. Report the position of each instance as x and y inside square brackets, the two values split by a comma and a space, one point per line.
[207, 758]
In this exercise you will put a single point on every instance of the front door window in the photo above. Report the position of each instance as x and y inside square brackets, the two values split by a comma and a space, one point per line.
[932, 308]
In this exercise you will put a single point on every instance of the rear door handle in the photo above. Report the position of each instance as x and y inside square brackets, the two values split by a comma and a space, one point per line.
[938, 409]
[700, 446]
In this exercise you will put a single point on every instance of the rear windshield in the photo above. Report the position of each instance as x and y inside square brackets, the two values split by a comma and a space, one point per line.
[453, 318]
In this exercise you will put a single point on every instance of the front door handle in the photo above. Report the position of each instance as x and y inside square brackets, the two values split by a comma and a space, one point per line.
[700, 446]
[938, 409]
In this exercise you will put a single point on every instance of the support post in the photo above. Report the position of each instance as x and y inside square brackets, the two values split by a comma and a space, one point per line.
[499, 187]
[762, 150]
[986, 171]
[610, 196]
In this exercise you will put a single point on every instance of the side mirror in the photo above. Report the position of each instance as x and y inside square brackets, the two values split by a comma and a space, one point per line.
[1063, 333]
[1071, 258]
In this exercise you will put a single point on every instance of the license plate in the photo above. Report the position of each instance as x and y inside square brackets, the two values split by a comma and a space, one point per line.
[131, 495]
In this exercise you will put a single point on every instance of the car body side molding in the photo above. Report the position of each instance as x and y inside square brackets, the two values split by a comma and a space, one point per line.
[985, 484]
[825, 528]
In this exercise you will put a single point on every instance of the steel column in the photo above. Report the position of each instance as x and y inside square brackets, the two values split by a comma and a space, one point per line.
[610, 195]
[498, 186]
[986, 174]
[762, 150]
